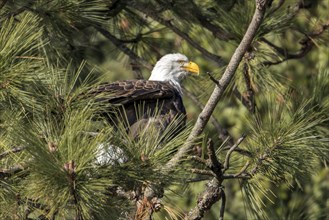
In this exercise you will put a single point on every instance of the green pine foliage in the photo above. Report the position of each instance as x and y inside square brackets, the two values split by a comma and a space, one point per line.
[60, 159]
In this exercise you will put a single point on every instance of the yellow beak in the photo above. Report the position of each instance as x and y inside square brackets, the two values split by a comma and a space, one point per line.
[192, 68]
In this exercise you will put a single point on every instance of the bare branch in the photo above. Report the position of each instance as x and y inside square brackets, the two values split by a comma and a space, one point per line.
[207, 198]
[115, 7]
[198, 159]
[307, 45]
[198, 179]
[223, 133]
[154, 15]
[212, 78]
[222, 207]
[244, 168]
[224, 82]
[121, 46]
[2, 3]
[10, 171]
[214, 164]
[214, 29]
[241, 174]
[250, 92]
[228, 154]
[12, 151]
[233, 176]
[203, 172]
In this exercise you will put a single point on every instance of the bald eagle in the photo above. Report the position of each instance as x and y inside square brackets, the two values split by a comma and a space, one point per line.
[156, 101]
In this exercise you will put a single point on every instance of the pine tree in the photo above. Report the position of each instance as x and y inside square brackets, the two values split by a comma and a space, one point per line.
[264, 90]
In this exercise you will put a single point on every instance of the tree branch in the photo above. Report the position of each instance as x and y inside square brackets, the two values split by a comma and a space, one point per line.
[241, 174]
[121, 46]
[214, 189]
[10, 171]
[307, 45]
[11, 151]
[224, 82]
[223, 133]
[228, 154]
[115, 7]
[207, 198]
[250, 104]
[153, 14]
[2, 3]
[214, 29]
[222, 207]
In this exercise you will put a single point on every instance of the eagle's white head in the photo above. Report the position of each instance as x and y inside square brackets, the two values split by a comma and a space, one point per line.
[173, 68]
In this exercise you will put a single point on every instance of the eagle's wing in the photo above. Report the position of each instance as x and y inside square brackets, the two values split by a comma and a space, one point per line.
[130, 91]
[160, 103]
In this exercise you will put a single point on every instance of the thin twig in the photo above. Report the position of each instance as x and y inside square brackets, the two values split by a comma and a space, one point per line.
[212, 78]
[203, 172]
[212, 163]
[11, 151]
[198, 159]
[244, 168]
[222, 207]
[307, 45]
[198, 179]
[250, 92]
[233, 176]
[241, 174]
[247, 98]
[230, 151]
[70, 168]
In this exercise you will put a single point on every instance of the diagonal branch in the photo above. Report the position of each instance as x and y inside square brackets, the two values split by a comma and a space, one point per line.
[223, 83]
[153, 14]
[2, 3]
[223, 133]
[121, 46]
[217, 31]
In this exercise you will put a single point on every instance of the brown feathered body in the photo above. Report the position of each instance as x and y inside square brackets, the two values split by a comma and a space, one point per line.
[141, 103]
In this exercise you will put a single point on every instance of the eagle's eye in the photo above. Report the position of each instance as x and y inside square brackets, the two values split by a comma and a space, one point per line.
[181, 61]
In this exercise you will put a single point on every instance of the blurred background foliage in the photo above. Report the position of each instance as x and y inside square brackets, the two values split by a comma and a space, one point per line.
[52, 51]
